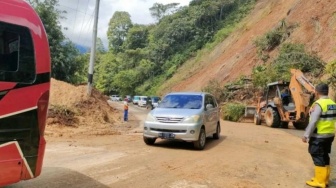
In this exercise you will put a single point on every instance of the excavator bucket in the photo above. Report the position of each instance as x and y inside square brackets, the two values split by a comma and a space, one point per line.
[249, 114]
[250, 111]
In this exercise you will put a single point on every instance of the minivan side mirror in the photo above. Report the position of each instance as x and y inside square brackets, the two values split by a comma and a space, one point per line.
[209, 106]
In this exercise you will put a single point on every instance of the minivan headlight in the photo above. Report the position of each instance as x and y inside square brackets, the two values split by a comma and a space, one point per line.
[150, 117]
[192, 119]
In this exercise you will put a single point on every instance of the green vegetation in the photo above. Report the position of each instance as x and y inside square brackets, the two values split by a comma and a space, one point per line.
[64, 55]
[152, 54]
[141, 58]
[290, 56]
[215, 89]
[272, 39]
[233, 111]
[231, 91]
[331, 70]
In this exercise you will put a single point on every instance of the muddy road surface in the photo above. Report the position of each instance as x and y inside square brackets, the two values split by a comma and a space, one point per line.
[245, 156]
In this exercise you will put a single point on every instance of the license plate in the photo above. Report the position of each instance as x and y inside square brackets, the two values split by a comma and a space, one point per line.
[166, 135]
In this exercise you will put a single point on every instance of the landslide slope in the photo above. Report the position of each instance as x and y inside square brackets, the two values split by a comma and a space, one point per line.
[236, 55]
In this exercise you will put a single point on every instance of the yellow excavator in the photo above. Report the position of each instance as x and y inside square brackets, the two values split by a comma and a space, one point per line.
[286, 102]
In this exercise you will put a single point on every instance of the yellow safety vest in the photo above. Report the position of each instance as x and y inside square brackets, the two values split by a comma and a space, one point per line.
[327, 120]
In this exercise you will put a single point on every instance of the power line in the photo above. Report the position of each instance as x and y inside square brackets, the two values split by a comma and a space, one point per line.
[70, 10]
[87, 6]
[76, 15]
[73, 8]
[89, 26]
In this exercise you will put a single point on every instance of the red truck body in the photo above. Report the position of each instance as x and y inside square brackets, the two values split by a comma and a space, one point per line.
[24, 91]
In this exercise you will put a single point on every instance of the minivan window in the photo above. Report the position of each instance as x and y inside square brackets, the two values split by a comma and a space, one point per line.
[209, 100]
[182, 101]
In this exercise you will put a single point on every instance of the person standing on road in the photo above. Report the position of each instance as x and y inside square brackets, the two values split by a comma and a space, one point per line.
[125, 110]
[320, 133]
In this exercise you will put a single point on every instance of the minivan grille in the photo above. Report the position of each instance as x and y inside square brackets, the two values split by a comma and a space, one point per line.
[168, 130]
[169, 119]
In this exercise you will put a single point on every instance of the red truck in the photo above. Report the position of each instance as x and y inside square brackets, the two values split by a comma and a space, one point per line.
[24, 91]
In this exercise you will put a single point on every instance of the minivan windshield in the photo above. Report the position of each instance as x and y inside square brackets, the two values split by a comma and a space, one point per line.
[182, 101]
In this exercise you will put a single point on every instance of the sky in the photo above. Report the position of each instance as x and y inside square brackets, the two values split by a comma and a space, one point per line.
[78, 21]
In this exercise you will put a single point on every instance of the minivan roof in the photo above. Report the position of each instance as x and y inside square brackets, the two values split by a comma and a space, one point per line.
[188, 93]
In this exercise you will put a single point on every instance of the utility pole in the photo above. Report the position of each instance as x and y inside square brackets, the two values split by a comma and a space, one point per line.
[93, 49]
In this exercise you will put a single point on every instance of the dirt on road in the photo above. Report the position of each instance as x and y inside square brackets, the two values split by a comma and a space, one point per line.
[245, 156]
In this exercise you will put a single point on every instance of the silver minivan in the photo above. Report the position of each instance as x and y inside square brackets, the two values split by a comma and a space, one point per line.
[188, 116]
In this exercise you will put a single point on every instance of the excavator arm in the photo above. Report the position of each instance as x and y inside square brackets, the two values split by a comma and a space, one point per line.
[302, 91]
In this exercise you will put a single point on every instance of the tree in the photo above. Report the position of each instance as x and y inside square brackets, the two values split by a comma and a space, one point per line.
[118, 27]
[63, 51]
[137, 37]
[107, 68]
[100, 46]
[159, 10]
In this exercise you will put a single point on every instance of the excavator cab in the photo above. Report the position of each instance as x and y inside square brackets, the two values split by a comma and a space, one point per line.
[277, 93]
[286, 102]
[277, 99]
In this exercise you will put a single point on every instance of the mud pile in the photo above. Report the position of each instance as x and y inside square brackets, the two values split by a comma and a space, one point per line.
[72, 112]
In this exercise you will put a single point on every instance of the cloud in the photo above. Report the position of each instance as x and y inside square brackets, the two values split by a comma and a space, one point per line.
[80, 15]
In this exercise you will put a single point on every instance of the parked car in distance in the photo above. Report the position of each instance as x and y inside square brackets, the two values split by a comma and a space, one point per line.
[115, 97]
[128, 98]
[135, 99]
[152, 102]
[187, 116]
[155, 101]
[142, 101]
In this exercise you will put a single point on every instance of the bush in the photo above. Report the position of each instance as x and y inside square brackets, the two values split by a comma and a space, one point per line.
[294, 56]
[233, 111]
[331, 71]
[214, 88]
[291, 56]
[272, 39]
[262, 75]
[269, 41]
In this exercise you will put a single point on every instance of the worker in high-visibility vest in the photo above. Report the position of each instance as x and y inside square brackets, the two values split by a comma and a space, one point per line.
[126, 110]
[320, 133]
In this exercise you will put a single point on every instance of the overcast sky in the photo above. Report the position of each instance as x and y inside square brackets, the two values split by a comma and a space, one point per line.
[79, 16]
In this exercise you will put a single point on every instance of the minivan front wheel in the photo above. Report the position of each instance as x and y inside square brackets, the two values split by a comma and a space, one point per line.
[200, 143]
[149, 141]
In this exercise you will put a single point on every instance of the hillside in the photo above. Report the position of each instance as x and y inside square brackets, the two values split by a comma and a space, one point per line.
[236, 55]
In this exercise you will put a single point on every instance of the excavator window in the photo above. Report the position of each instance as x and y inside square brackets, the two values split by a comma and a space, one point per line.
[272, 92]
[285, 96]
